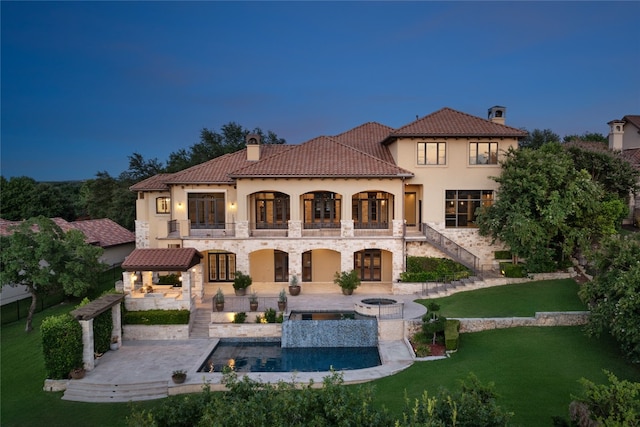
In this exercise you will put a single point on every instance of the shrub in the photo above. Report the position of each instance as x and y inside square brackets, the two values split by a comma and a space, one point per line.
[428, 269]
[451, 334]
[240, 317]
[513, 270]
[169, 279]
[241, 280]
[157, 317]
[502, 255]
[61, 345]
[270, 316]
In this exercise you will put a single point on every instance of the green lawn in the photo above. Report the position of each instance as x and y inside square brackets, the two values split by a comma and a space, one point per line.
[518, 300]
[535, 371]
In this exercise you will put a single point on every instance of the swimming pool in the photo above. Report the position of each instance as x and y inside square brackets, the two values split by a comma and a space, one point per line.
[268, 356]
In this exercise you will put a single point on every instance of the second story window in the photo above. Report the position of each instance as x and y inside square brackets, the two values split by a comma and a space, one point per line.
[322, 210]
[163, 205]
[483, 153]
[272, 210]
[432, 153]
[206, 210]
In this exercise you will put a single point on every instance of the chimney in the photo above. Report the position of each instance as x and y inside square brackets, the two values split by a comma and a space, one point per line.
[616, 134]
[253, 147]
[497, 113]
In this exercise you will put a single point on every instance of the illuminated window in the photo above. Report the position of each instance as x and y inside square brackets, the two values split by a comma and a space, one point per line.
[461, 206]
[163, 205]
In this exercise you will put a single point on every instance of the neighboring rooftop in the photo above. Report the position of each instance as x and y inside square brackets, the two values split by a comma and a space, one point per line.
[171, 259]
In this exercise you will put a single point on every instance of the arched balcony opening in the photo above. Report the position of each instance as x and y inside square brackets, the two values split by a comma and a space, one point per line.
[372, 210]
[322, 209]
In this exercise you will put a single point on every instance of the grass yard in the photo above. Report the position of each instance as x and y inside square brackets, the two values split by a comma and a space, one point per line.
[517, 300]
[535, 370]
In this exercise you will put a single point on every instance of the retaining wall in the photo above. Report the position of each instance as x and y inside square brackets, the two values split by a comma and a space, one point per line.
[155, 332]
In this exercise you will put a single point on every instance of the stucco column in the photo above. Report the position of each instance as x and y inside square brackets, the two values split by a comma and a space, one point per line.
[127, 279]
[198, 283]
[87, 344]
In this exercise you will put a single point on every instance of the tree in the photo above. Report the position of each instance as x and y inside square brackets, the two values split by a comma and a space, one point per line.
[545, 209]
[39, 255]
[108, 197]
[213, 144]
[587, 137]
[616, 174]
[537, 138]
[612, 296]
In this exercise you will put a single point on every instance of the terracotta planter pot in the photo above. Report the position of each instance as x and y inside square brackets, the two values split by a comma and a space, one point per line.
[219, 306]
[240, 292]
[179, 379]
[282, 305]
[294, 290]
[253, 306]
[347, 291]
[77, 374]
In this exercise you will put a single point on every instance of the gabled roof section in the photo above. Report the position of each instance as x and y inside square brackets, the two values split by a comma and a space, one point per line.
[448, 122]
[322, 157]
[368, 138]
[155, 183]
[104, 232]
[633, 119]
[101, 232]
[218, 170]
[173, 259]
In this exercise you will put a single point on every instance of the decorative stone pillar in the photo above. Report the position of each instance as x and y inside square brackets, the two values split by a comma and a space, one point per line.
[346, 228]
[295, 228]
[398, 227]
[198, 283]
[186, 286]
[116, 325]
[127, 279]
[87, 344]
[242, 229]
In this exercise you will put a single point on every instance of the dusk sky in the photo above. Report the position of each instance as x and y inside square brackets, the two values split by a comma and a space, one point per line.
[87, 84]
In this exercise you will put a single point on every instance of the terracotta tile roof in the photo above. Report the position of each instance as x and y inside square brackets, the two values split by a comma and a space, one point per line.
[368, 138]
[322, 157]
[449, 122]
[102, 232]
[154, 183]
[175, 259]
[633, 155]
[105, 232]
[216, 171]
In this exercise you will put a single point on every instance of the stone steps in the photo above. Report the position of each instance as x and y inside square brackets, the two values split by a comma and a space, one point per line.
[85, 391]
[200, 325]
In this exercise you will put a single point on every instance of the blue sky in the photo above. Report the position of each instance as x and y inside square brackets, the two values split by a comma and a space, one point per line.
[86, 84]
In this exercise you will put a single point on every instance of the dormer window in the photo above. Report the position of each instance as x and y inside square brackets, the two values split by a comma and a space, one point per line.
[163, 205]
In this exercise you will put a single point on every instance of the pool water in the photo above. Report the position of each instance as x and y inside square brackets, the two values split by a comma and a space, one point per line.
[256, 356]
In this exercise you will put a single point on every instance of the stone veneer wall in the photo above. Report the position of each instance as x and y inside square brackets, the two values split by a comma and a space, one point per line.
[142, 234]
[245, 330]
[156, 332]
[561, 318]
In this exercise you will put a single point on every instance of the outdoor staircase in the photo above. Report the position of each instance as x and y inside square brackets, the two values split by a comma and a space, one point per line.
[444, 289]
[201, 319]
[451, 248]
[85, 391]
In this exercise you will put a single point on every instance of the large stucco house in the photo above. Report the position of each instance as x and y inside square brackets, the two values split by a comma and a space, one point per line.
[624, 135]
[363, 200]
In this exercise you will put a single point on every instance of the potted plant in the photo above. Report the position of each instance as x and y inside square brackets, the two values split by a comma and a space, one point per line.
[114, 343]
[241, 282]
[294, 286]
[282, 300]
[218, 300]
[347, 280]
[77, 373]
[253, 301]
[178, 376]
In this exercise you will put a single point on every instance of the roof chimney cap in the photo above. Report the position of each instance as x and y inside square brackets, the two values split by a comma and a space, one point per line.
[497, 114]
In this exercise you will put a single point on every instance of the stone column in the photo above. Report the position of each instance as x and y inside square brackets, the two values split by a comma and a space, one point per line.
[116, 322]
[87, 344]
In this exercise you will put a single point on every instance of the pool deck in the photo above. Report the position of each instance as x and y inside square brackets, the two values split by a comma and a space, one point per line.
[151, 362]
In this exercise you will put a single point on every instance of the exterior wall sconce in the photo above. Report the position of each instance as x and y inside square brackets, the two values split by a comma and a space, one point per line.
[180, 204]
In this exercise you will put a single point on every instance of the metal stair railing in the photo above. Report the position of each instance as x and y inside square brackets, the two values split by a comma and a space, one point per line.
[451, 248]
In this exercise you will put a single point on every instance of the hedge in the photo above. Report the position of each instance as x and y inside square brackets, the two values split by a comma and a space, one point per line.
[156, 317]
[61, 345]
[451, 334]
[513, 270]
[430, 269]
